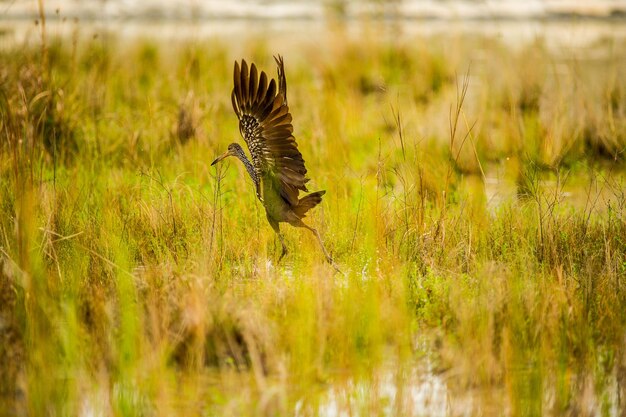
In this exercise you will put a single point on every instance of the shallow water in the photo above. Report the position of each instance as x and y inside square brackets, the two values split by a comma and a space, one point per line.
[392, 390]
[421, 391]
[588, 191]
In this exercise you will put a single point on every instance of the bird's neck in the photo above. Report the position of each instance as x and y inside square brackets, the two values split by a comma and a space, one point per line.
[249, 167]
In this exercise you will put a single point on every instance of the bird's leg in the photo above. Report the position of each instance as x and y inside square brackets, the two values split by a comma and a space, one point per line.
[285, 251]
[319, 239]
[276, 228]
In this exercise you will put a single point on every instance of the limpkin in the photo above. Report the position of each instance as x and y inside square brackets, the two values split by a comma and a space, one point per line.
[277, 168]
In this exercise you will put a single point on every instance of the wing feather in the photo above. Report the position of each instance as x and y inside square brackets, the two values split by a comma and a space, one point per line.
[236, 88]
[253, 83]
[262, 90]
[282, 81]
[265, 124]
[245, 80]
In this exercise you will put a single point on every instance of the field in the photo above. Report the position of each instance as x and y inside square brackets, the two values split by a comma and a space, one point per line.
[476, 205]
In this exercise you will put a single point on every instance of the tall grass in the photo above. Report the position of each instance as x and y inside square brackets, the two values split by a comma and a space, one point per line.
[138, 280]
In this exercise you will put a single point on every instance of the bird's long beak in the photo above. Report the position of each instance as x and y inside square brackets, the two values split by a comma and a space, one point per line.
[222, 156]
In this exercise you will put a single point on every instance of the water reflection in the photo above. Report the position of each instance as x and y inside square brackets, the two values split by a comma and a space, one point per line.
[585, 191]
[393, 391]
[531, 389]
[528, 388]
[423, 394]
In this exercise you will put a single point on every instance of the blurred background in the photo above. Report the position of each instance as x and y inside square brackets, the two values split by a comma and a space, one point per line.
[320, 9]
[509, 17]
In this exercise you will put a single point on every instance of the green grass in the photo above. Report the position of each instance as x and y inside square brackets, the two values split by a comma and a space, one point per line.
[135, 279]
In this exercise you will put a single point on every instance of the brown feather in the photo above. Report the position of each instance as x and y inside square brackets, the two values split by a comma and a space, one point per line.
[266, 125]
[262, 90]
[244, 83]
[253, 84]
[237, 87]
[308, 202]
[284, 119]
[282, 80]
[266, 106]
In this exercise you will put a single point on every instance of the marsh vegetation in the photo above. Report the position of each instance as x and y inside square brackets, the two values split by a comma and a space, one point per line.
[475, 201]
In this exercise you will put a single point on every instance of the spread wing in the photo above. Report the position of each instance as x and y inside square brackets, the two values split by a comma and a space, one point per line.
[265, 124]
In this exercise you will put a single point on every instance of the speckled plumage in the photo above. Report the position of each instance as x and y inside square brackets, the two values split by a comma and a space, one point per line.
[277, 167]
[265, 125]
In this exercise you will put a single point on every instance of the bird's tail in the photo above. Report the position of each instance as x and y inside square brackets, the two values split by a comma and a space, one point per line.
[308, 202]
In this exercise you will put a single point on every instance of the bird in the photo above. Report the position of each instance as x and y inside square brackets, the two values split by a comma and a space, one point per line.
[276, 166]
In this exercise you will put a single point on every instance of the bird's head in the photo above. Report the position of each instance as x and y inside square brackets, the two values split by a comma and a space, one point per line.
[233, 150]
